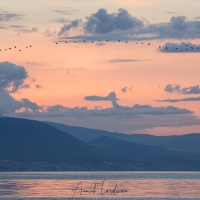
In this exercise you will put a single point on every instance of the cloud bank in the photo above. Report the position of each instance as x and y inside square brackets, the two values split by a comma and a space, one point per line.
[121, 118]
[124, 26]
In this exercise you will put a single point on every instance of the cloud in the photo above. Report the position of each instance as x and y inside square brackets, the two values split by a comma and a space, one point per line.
[187, 90]
[5, 16]
[62, 12]
[12, 76]
[102, 22]
[111, 96]
[124, 26]
[38, 86]
[49, 33]
[122, 60]
[179, 100]
[180, 48]
[61, 20]
[26, 30]
[68, 28]
[136, 109]
[126, 89]
[12, 79]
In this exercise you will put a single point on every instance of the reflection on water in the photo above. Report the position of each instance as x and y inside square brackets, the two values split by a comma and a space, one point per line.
[116, 189]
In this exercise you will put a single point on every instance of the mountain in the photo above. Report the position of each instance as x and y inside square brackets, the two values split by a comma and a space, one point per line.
[28, 140]
[28, 145]
[85, 134]
[189, 142]
[150, 157]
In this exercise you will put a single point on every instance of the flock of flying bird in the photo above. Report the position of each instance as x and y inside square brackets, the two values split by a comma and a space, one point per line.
[15, 47]
[187, 46]
[165, 47]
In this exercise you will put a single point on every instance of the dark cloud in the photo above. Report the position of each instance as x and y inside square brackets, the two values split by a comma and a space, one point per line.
[184, 47]
[122, 60]
[186, 90]
[5, 17]
[12, 76]
[10, 105]
[12, 79]
[102, 22]
[178, 28]
[122, 25]
[74, 25]
[179, 100]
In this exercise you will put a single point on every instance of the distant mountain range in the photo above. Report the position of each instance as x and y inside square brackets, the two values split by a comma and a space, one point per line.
[28, 145]
[188, 142]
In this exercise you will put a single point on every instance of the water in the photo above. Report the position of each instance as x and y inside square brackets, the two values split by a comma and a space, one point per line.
[99, 185]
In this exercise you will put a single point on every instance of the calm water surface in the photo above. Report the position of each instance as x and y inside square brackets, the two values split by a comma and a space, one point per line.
[99, 185]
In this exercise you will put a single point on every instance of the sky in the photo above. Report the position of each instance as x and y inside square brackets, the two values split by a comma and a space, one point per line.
[124, 66]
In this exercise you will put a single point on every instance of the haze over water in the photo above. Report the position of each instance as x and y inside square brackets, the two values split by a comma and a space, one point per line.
[100, 185]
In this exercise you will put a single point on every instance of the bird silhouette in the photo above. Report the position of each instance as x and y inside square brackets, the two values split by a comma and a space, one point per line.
[149, 44]
[166, 47]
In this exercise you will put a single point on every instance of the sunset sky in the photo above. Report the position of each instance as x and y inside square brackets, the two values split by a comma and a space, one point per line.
[145, 79]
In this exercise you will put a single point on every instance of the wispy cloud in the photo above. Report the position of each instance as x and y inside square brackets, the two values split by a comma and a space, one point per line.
[179, 100]
[123, 60]
[6, 16]
[26, 30]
